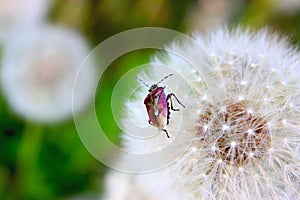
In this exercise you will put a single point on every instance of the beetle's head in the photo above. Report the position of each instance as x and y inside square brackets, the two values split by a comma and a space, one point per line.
[153, 87]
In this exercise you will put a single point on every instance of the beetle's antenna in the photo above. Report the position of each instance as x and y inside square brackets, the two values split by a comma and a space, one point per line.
[164, 78]
[143, 82]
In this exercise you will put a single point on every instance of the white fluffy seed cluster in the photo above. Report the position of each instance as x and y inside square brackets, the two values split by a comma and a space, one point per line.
[38, 69]
[242, 119]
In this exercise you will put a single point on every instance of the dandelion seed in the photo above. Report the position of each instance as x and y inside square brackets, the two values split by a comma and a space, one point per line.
[230, 63]
[250, 111]
[199, 111]
[213, 148]
[284, 121]
[225, 127]
[271, 150]
[194, 149]
[254, 65]
[270, 87]
[233, 144]
[285, 140]
[243, 82]
[223, 109]
[250, 131]
[205, 127]
[241, 98]
[251, 154]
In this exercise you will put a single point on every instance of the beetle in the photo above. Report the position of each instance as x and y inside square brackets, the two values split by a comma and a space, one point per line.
[157, 105]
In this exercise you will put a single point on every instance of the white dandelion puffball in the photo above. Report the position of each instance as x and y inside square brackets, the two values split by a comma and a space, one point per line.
[16, 13]
[38, 70]
[241, 120]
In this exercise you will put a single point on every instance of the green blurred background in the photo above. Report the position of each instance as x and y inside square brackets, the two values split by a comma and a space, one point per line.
[50, 162]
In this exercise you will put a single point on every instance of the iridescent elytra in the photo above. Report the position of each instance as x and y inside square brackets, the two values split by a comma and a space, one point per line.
[157, 105]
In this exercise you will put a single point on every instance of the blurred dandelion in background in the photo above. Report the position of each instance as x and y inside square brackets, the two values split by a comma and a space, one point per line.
[242, 119]
[18, 13]
[208, 14]
[39, 67]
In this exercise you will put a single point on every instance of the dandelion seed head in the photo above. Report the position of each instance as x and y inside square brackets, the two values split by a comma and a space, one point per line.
[239, 125]
[38, 71]
[240, 134]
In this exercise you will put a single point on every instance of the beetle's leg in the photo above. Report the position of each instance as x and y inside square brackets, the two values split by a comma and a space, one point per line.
[166, 132]
[169, 97]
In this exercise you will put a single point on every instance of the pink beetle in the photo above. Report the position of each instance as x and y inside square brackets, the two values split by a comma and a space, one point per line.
[157, 105]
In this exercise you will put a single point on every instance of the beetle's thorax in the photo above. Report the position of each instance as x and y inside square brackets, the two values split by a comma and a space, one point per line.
[153, 94]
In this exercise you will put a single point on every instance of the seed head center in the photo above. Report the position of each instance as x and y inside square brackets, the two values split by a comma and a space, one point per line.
[239, 135]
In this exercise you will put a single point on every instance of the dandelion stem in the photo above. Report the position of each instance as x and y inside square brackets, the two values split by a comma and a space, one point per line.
[30, 183]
